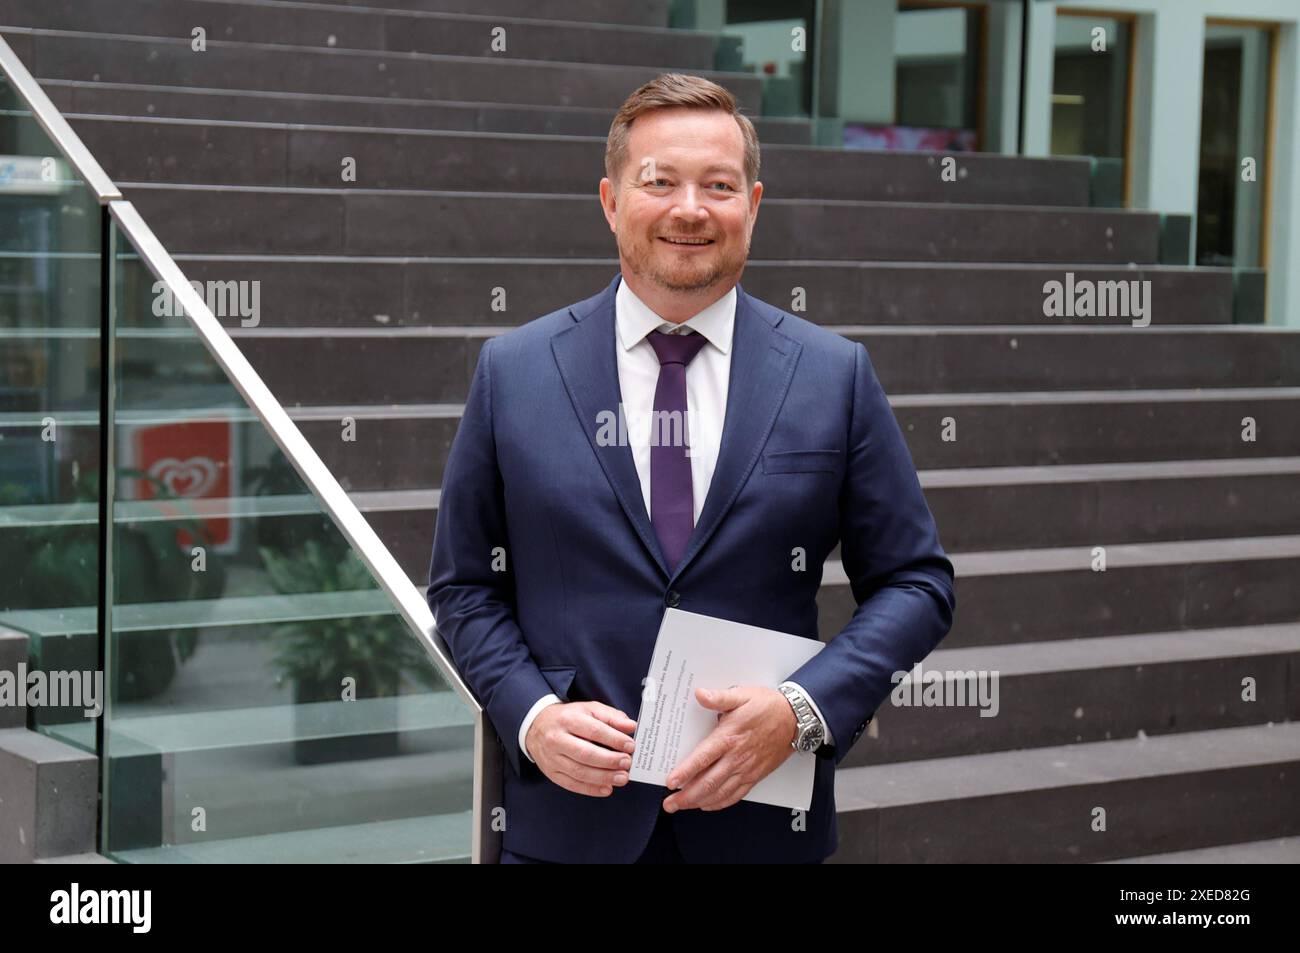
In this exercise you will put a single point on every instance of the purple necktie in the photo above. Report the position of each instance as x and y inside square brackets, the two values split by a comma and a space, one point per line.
[672, 503]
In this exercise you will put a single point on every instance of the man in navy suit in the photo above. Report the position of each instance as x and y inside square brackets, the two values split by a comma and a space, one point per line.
[565, 527]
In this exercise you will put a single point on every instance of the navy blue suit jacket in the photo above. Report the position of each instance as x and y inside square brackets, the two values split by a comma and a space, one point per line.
[811, 456]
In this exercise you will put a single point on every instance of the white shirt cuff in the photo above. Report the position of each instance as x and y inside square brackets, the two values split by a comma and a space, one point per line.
[533, 712]
[826, 729]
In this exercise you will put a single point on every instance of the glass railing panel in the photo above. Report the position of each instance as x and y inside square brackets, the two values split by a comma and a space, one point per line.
[1091, 99]
[1233, 174]
[267, 701]
[50, 314]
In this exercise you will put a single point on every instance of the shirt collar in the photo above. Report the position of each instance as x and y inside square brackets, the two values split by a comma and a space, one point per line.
[717, 322]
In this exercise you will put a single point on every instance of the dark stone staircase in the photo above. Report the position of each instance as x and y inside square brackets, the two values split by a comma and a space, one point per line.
[478, 169]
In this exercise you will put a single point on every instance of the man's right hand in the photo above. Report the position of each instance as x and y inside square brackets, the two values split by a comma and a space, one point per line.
[584, 747]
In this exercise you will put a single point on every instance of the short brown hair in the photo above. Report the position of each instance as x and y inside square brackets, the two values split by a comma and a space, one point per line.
[669, 90]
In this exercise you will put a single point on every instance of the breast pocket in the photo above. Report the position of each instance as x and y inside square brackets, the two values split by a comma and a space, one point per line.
[801, 461]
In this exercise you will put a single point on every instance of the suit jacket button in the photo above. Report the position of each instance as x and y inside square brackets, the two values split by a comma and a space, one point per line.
[672, 598]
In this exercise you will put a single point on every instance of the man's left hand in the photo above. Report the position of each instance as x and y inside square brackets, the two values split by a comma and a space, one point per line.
[751, 740]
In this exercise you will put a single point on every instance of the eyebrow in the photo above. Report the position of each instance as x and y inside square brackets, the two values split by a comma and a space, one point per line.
[716, 167]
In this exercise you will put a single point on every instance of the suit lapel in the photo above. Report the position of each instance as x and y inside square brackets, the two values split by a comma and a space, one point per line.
[762, 365]
[585, 356]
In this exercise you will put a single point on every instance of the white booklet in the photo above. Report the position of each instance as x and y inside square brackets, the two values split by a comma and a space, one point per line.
[693, 651]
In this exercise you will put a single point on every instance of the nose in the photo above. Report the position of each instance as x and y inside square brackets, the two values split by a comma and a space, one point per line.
[688, 207]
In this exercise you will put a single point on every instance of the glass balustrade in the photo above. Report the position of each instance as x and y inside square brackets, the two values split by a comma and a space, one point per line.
[266, 696]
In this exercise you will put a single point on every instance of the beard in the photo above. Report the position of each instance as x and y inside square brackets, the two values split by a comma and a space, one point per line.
[677, 271]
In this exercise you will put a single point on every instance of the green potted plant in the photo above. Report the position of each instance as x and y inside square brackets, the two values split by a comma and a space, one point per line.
[316, 655]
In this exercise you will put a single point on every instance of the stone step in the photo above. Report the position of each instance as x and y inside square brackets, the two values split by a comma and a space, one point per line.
[370, 292]
[1170, 792]
[1023, 507]
[182, 102]
[436, 365]
[203, 152]
[959, 360]
[120, 58]
[380, 26]
[1278, 850]
[1044, 429]
[1016, 596]
[13, 652]
[405, 520]
[1099, 426]
[1042, 694]
[1041, 594]
[222, 220]
[48, 797]
[1001, 508]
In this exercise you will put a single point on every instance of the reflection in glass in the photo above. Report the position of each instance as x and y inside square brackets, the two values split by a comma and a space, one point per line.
[1234, 150]
[1090, 97]
[773, 39]
[937, 56]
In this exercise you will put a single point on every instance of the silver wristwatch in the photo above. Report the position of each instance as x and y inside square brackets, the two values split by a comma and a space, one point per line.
[809, 733]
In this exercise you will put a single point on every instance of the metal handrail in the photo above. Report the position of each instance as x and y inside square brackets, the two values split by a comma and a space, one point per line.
[56, 127]
[410, 604]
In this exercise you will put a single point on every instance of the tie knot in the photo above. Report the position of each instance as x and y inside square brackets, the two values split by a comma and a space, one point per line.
[676, 348]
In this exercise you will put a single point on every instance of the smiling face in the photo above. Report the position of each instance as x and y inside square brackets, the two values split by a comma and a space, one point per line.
[681, 210]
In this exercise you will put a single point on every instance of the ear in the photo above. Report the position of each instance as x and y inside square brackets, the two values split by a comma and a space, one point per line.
[608, 203]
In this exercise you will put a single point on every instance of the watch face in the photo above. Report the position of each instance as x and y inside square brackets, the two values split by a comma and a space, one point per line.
[811, 738]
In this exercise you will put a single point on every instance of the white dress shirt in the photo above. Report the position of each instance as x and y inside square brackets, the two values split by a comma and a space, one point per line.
[707, 379]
